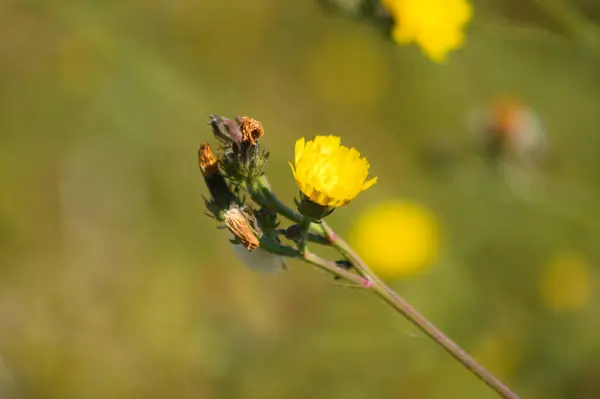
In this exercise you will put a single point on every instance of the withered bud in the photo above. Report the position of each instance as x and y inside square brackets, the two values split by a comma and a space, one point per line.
[220, 193]
[225, 130]
[208, 162]
[242, 224]
[252, 129]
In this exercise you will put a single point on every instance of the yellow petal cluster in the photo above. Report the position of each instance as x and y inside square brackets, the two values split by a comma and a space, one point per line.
[435, 25]
[328, 173]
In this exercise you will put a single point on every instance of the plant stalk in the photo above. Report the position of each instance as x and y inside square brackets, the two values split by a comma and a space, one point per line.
[262, 192]
[404, 308]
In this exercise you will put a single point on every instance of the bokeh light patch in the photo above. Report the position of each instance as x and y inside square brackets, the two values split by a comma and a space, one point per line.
[566, 282]
[397, 238]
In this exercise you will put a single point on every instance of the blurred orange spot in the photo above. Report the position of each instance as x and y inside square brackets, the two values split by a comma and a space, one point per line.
[505, 113]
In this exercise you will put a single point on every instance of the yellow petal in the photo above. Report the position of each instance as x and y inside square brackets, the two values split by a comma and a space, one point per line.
[293, 171]
[329, 173]
[369, 183]
[298, 149]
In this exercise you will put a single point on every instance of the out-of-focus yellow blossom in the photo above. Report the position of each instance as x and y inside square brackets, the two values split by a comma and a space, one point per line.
[396, 238]
[566, 282]
[328, 173]
[435, 25]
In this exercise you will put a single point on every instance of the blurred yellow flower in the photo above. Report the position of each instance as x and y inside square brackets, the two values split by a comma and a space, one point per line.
[328, 173]
[396, 238]
[566, 282]
[435, 25]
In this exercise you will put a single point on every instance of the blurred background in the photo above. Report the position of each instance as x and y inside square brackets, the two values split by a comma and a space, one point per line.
[114, 284]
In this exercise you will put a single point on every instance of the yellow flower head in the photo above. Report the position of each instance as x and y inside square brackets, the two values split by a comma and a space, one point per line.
[328, 173]
[435, 25]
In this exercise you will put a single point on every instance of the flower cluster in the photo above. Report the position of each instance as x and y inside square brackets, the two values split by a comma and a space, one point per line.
[328, 174]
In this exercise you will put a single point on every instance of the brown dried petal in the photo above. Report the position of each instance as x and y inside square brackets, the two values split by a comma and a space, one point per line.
[252, 129]
[208, 162]
[238, 223]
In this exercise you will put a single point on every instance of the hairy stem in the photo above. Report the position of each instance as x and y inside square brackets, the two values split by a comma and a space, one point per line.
[260, 191]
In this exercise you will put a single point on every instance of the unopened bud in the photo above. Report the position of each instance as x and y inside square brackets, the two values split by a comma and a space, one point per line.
[221, 196]
[208, 162]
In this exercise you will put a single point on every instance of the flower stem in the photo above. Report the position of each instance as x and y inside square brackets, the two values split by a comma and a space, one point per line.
[404, 308]
[333, 268]
[261, 191]
[304, 226]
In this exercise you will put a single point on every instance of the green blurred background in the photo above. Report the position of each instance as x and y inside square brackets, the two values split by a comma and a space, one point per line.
[114, 284]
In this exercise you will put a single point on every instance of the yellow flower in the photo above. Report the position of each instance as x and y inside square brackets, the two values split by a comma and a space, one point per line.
[396, 238]
[328, 173]
[567, 283]
[435, 25]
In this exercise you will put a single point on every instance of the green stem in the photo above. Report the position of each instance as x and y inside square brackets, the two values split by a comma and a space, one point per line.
[369, 280]
[404, 308]
[277, 249]
[304, 225]
[260, 191]
[315, 260]
[332, 268]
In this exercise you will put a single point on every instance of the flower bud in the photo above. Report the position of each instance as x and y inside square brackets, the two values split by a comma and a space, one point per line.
[246, 244]
[510, 130]
[221, 196]
[241, 158]
[252, 130]
[243, 225]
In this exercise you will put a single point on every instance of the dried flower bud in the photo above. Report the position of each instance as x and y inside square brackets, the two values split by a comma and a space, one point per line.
[243, 160]
[508, 129]
[208, 162]
[225, 130]
[252, 129]
[221, 196]
[243, 225]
